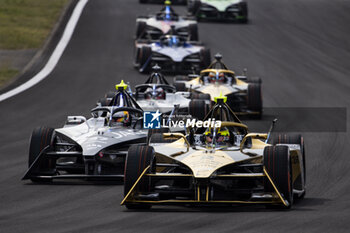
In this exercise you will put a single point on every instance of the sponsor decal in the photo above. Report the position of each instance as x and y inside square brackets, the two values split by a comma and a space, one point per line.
[152, 120]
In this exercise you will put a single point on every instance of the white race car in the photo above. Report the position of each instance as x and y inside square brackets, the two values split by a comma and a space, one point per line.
[152, 27]
[156, 94]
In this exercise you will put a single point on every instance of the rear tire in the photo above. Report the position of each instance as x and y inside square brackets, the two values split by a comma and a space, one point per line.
[104, 102]
[278, 165]
[138, 159]
[244, 13]
[158, 138]
[180, 78]
[110, 94]
[145, 53]
[41, 138]
[140, 29]
[193, 6]
[205, 58]
[156, 131]
[254, 80]
[193, 32]
[200, 96]
[180, 86]
[198, 109]
[254, 101]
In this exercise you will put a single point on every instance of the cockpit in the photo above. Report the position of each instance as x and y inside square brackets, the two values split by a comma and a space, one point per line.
[172, 41]
[168, 14]
[228, 133]
[218, 77]
[121, 111]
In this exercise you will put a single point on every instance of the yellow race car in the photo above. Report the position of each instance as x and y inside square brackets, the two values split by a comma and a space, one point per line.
[221, 164]
[243, 94]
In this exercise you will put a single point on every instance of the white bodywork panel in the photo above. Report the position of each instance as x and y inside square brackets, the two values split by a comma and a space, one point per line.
[165, 26]
[221, 5]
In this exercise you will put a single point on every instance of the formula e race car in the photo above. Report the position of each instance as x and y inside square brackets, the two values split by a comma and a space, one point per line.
[93, 149]
[173, 53]
[233, 10]
[156, 94]
[154, 26]
[218, 164]
[244, 94]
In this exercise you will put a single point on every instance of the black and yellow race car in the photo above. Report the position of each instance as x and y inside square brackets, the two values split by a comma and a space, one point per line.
[244, 94]
[219, 164]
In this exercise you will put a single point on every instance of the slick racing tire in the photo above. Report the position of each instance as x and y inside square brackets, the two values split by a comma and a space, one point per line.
[41, 138]
[193, 6]
[180, 78]
[279, 167]
[254, 80]
[198, 109]
[110, 94]
[144, 55]
[180, 86]
[254, 100]
[156, 131]
[158, 138]
[205, 58]
[200, 96]
[193, 32]
[244, 13]
[140, 29]
[292, 138]
[138, 159]
[104, 102]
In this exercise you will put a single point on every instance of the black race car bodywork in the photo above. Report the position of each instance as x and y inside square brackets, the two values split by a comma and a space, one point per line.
[91, 149]
[223, 10]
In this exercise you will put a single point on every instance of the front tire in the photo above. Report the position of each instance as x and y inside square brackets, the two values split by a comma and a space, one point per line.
[138, 159]
[290, 138]
[41, 138]
[278, 165]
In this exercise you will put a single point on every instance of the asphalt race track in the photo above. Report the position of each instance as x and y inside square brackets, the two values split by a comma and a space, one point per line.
[299, 48]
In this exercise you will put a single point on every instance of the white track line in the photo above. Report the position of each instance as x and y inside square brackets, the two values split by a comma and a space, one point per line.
[56, 55]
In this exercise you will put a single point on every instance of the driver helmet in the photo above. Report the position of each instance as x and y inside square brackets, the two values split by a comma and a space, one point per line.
[212, 77]
[222, 136]
[173, 41]
[168, 12]
[221, 77]
[155, 93]
[121, 118]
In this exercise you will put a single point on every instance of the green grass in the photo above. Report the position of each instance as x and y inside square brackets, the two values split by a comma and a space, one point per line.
[26, 24]
[6, 73]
